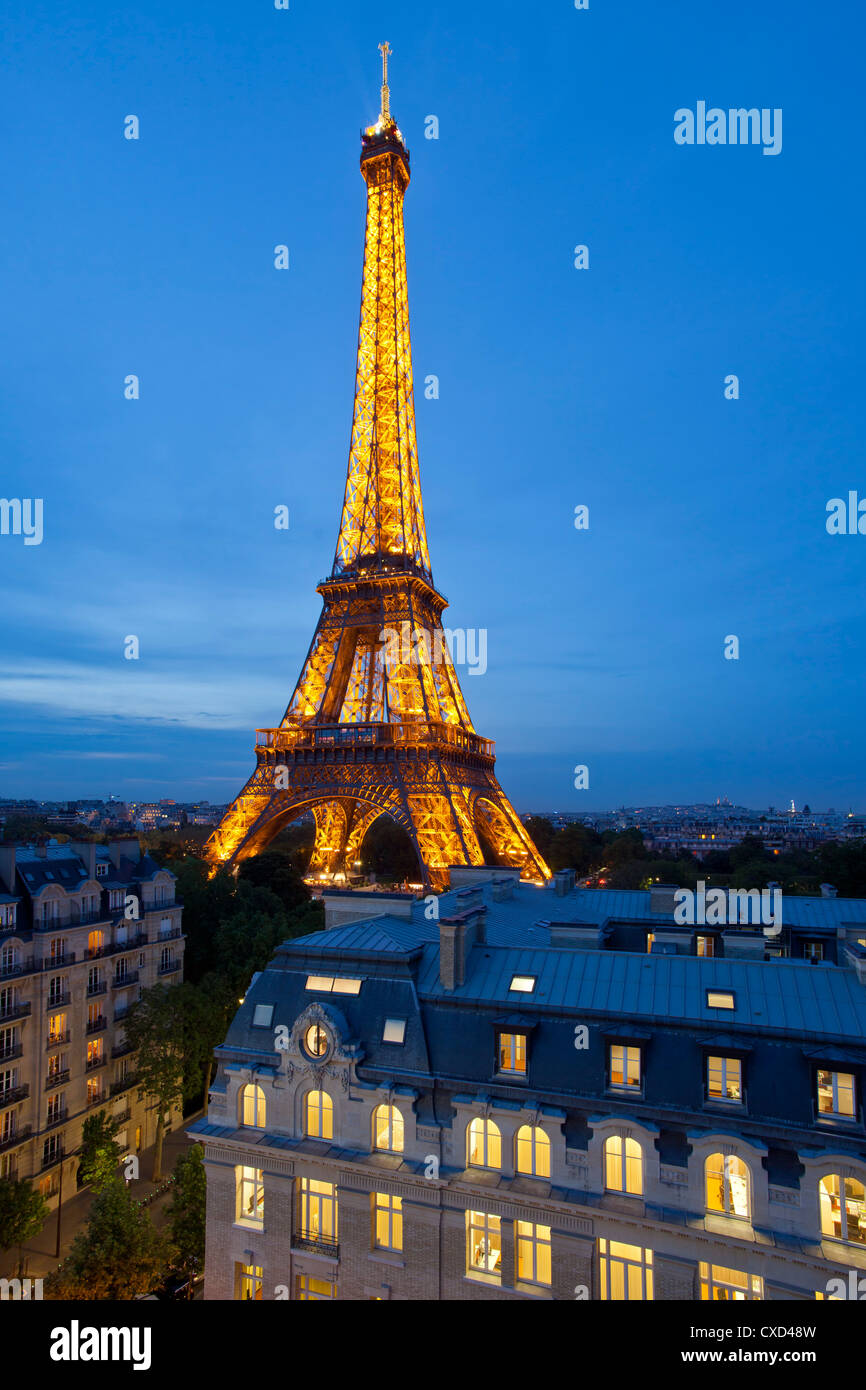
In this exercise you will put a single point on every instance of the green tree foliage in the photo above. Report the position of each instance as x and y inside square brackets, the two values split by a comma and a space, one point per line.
[186, 1213]
[277, 873]
[155, 1028]
[388, 852]
[22, 1215]
[541, 831]
[100, 1152]
[118, 1254]
[575, 847]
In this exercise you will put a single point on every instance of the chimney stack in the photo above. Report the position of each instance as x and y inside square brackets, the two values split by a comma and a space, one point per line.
[457, 935]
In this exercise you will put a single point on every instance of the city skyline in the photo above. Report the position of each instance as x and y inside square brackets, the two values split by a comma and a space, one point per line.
[605, 647]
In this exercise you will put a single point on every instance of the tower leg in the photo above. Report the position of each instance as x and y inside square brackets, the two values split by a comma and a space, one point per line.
[503, 828]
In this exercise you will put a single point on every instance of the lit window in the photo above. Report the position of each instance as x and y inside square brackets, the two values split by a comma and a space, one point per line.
[836, 1094]
[725, 1079]
[313, 1290]
[394, 1030]
[719, 999]
[319, 1112]
[813, 950]
[842, 1203]
[317, 1211]
[253, 1107]
[729, 1285]
[727, 1180]
[533, 1253]
[485, 1144]
[250, 1193]
[706, 946]
[57, 1028]
[262, 1015]
[626, 1271]
[333, 984]
[512, 1053]
[316, 1040]
[522, 984]
[623, 1165]
[483, 1243]
[387, 1221]
[533, 1152]
[625, 1067]
[388, 1129]
[249, 1282]
[650, 939]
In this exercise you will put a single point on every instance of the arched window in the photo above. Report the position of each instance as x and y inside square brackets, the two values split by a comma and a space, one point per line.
[484, 1144]
[253, 1107]
[623, 1165]
[842, 1202]
[388, 1129]
[319, 1115]
[727, 1185]
[533, 1151]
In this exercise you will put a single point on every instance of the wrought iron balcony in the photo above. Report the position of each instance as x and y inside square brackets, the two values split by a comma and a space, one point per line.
[21, 967]
[56, 1001]
[54, 1157]
[169, 935]
[321, 1245]
[54, 1120]
[56, 1078]
[10, 1053]
[130, 978]
[96, 1025]
[14, 1011]
[17, 1136]
[58, 1039]
[124, 1083]
[99, 987]
[123, 1116]
[96, 1100]
[169, 967]
[121, 1049]
[94, 1063]
[12, 1094]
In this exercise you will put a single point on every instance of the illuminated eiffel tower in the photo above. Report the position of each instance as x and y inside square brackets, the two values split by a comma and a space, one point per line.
[378, 723]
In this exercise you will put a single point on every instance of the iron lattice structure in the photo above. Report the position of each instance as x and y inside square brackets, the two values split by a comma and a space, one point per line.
[377, 723]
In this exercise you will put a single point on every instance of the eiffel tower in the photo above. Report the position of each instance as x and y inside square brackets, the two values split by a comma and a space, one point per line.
[377, 724]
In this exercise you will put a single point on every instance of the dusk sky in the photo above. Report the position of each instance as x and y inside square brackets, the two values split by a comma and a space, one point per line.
[558, 386]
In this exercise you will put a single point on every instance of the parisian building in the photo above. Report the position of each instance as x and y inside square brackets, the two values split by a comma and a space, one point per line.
[543, 1093]
[84, 929]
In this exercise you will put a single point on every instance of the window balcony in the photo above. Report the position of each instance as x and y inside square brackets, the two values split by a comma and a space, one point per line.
[319, 1245]
[56, 1156]
[56, 1078]
[56, 962]
[125, 1083]
[169, 967]
[10, 1053]
[21, 967]
[98, 988]
[122, 1116]
[13, 1094]
[88, 919]
[121, 1049]
[58, 1039]
[15, 1011]
[54, 1120]
[96, 1100]
[18, 1136]
[96, 1025]
[95, 1063]
[172, 935]
[130, 978]
[57, 1001]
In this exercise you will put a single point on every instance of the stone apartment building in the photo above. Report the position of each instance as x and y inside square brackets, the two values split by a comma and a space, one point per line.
[84, 928]
[543, 1094]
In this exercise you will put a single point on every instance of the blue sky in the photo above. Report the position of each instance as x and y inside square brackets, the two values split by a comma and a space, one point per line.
[557, 386]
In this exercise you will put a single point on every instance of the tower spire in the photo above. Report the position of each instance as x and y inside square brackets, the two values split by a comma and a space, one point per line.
[385, 49]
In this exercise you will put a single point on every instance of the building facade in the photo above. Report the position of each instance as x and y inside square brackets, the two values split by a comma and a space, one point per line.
[84, 929]
[510, 1092]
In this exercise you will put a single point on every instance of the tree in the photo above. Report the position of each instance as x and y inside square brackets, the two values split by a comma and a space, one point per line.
[22, 1215]
[276, 872]
[186, 1213]
[118, 1255]
[154, 1029]
[100, 1152]
[541, 832]
[575, 847]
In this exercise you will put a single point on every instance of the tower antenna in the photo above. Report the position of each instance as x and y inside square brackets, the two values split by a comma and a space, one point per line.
[385, 50]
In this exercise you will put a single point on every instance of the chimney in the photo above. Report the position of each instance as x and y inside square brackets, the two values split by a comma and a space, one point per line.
[662, 898]
[502, 888]
[7, 867]
[86, 851]
[563, 882]
[468, 898]
[123, 849]
[457, 935]
[828, 890]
